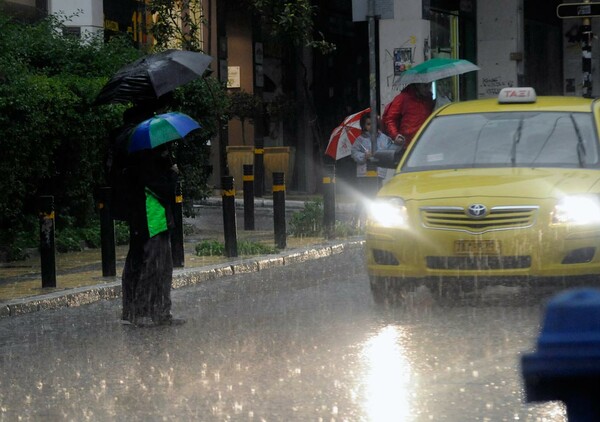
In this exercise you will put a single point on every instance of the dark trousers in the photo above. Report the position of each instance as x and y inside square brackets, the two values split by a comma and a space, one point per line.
[147, 278]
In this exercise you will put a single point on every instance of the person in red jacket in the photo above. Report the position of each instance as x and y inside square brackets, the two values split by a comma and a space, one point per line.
[405, 114]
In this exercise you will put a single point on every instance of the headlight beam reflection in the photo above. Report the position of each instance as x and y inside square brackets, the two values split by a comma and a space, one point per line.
[387, 381]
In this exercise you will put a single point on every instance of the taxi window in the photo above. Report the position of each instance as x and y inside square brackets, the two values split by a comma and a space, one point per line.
[519, 139]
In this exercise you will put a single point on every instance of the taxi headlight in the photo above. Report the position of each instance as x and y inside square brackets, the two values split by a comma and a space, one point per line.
[580, 210]
[388, 212]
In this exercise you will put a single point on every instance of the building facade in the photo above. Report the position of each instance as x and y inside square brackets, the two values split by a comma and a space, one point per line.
[514, 42]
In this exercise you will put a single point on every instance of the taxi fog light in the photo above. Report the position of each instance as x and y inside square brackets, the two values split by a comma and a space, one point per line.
[389, 212]
[580, 210]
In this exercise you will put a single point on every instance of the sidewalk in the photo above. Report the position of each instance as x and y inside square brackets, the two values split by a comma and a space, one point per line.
[79, 274]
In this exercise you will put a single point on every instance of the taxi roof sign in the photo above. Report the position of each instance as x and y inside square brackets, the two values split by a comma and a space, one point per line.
[578, 10]
[517, 95]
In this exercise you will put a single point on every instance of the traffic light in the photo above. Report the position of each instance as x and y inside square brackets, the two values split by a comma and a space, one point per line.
[578, 10]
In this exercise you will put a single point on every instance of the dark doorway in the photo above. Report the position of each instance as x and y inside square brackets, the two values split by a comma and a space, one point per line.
[543, 53]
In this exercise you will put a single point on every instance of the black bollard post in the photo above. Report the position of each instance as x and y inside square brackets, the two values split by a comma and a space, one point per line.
[248, 197]
[177, 250]
[47, 246]
[329, 201]
[259, 167]
[229, 224]
[107, 232]
[279, 209]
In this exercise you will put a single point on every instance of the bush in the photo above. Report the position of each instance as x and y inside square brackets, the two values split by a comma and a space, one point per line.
[309, 222]
[215, 248]
[71, 239]
[54, 139]
[121, 233]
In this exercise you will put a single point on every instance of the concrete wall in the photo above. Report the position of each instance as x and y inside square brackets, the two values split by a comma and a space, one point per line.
[406, 30]
[499, 33]
[90, 16]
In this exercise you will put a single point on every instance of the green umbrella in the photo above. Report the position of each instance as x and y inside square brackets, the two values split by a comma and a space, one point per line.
[435, 69]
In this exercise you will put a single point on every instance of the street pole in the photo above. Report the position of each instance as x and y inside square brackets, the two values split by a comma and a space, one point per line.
[372, 75]
[371, 177]
[586, 59]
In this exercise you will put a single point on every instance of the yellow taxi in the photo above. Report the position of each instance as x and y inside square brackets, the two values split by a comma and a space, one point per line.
[499, 189]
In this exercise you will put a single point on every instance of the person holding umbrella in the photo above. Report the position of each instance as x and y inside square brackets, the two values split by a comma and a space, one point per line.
[148, 269]
[152, 179]
[403, 117]
[140, 153]
[361, 153]
[405, 114]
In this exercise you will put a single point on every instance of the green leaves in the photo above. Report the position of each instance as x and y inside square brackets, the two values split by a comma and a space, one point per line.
[52, 139]
[244, 247]
[178, 24]
[291, 21]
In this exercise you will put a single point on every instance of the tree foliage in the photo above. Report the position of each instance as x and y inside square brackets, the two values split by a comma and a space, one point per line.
[178, 24]
[291, 21]
[53, 139]
[245, 107]
[206, 101]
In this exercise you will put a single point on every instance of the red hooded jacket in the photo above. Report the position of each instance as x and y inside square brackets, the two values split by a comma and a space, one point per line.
[406, 113]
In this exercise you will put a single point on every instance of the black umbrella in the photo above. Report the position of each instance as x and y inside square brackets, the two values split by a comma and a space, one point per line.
[152, 76]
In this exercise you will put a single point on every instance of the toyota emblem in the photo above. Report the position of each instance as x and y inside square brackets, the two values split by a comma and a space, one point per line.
[477, 211]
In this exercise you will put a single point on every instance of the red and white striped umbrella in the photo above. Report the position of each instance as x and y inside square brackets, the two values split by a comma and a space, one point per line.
[344, 135]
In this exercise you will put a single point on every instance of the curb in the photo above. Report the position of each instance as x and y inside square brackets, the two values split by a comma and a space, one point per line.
[181, 278]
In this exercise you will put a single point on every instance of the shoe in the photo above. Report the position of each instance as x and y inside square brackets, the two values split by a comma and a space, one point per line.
[170, 321]
[143, 322]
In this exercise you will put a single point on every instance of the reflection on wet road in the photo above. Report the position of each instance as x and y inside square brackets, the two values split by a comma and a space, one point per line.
[301, 343]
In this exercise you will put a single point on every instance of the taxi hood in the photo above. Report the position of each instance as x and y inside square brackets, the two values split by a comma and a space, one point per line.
[541, 183]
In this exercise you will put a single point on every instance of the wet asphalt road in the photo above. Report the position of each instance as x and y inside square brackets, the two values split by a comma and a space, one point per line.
[297, 343]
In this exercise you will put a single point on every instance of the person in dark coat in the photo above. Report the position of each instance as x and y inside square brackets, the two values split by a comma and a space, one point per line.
[149, 265]
[151, 180]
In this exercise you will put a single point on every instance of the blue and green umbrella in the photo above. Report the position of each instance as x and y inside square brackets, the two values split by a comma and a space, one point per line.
[161, 129]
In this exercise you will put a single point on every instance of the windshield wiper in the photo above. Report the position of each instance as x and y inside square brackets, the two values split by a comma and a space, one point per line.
[516, 140]
[580, 145]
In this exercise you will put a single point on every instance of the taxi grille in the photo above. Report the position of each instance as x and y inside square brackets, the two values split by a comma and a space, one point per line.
[499, 218]
[479, 263]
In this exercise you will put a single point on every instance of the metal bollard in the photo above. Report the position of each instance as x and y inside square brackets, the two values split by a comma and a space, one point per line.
[566, 365]
[329, 201]
[279, 210]
[107, 232]
[229, 223]
[47, 246]
[177, 249]
[259, 167]
[248, 197]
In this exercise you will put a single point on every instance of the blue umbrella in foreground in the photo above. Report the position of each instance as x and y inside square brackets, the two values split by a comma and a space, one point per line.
[161, 129]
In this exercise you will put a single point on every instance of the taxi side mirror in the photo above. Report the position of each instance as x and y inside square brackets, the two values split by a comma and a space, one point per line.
[388, 158]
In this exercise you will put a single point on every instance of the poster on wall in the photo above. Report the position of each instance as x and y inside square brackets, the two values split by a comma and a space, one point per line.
[402, 60]
[233, 77]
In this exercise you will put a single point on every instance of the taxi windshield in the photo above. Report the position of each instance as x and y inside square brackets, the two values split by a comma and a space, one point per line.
[507, 139]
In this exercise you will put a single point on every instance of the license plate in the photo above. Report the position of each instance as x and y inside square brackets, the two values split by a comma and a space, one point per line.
[476, 247]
